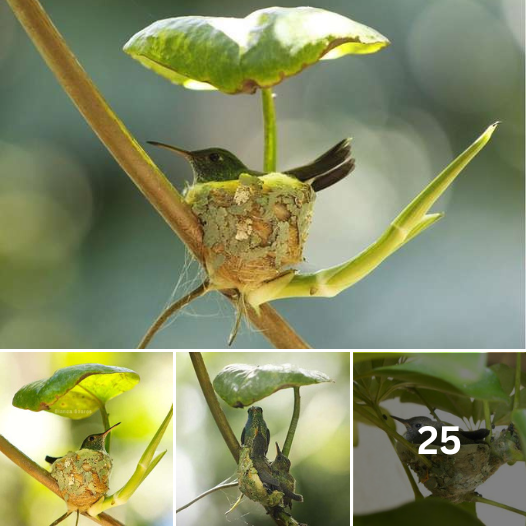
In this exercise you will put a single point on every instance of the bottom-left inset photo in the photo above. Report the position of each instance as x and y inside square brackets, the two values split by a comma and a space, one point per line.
[86, 438]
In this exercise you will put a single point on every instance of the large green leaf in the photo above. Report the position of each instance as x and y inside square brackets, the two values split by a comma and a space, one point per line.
[462, 374]
[77, 391]
[239, 55]
[240, 385]
[460, 406]
[364, 356]
[427, 512]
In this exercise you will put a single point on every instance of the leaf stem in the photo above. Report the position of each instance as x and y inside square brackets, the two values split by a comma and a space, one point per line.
[213, 404]
[293, 422]
[42, 476]
[487, 418]
[498, 505]
[412, 221]
[269, 122]
[172, 309]
[103, 413]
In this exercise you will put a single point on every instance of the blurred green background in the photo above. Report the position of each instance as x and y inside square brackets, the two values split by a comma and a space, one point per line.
[24, 501]
[320, 453]
[85, 261]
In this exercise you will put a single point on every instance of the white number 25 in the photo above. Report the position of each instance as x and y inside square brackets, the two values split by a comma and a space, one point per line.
[445, 438]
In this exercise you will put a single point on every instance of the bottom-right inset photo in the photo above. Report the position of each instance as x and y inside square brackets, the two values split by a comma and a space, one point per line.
[439, 438]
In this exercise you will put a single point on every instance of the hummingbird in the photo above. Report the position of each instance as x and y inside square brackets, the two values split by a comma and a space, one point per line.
[95, 442]
[260, 461]
[281, 471]
[255, 423]
[414, 436]
[217, 164]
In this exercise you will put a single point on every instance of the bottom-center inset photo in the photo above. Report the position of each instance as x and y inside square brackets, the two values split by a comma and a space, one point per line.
[263, 438]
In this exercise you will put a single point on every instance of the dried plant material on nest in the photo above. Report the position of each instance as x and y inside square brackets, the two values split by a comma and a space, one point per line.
[82, 477]
[254, 227]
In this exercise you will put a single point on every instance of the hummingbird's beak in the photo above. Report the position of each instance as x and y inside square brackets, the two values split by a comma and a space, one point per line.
[278, 450]
[108, 430]
[186, 154]
[405, 422]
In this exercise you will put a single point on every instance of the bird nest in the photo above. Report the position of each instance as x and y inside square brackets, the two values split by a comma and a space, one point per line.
[250, 484]
[82, 477]
[254, 227]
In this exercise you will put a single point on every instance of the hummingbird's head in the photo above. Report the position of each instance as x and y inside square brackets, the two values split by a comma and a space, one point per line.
[414, 424]
[210, 164]
[281, 462]
[255, 412]
[97, 442]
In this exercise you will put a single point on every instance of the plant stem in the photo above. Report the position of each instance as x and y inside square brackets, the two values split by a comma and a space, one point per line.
[213, 404]
[128, 153]
[293, 422]
[103, 413]
[269, 121]
[144, 467]
[412, 221]
[516, 396]
[172, 309]
[498, 505]
[215, 488]
[431, 410]
[42, 476]
[487, 419]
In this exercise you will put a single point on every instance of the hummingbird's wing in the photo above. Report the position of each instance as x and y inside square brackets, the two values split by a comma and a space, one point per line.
[327, 169]
[267, 478]
[243, 436]
[51, 459]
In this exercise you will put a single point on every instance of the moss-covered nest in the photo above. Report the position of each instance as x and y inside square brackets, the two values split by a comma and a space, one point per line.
[254, 227]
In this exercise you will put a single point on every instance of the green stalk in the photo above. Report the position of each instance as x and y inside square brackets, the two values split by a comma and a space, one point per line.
[413, 220]
[293, 422]
[145, 466]
[103, 413]
[516, 396]
[269, 122]
[498, 505]
[487, 418]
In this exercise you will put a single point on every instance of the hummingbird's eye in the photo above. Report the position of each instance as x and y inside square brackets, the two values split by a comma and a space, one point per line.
[418, 425]
[91, 439]
[215, 157]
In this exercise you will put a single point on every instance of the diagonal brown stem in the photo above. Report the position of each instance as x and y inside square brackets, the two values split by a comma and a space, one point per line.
[211, 399]
[40, 474]
[129, 154]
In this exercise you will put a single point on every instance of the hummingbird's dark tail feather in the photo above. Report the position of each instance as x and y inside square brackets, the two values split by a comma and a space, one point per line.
[51, 459]
[290, 494]
[478, 434]
[327, 169]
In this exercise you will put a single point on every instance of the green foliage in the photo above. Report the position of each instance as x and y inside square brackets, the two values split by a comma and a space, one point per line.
[461, 374]
[76, 392]
[241, 385]
[428, 512]
[240, 55]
